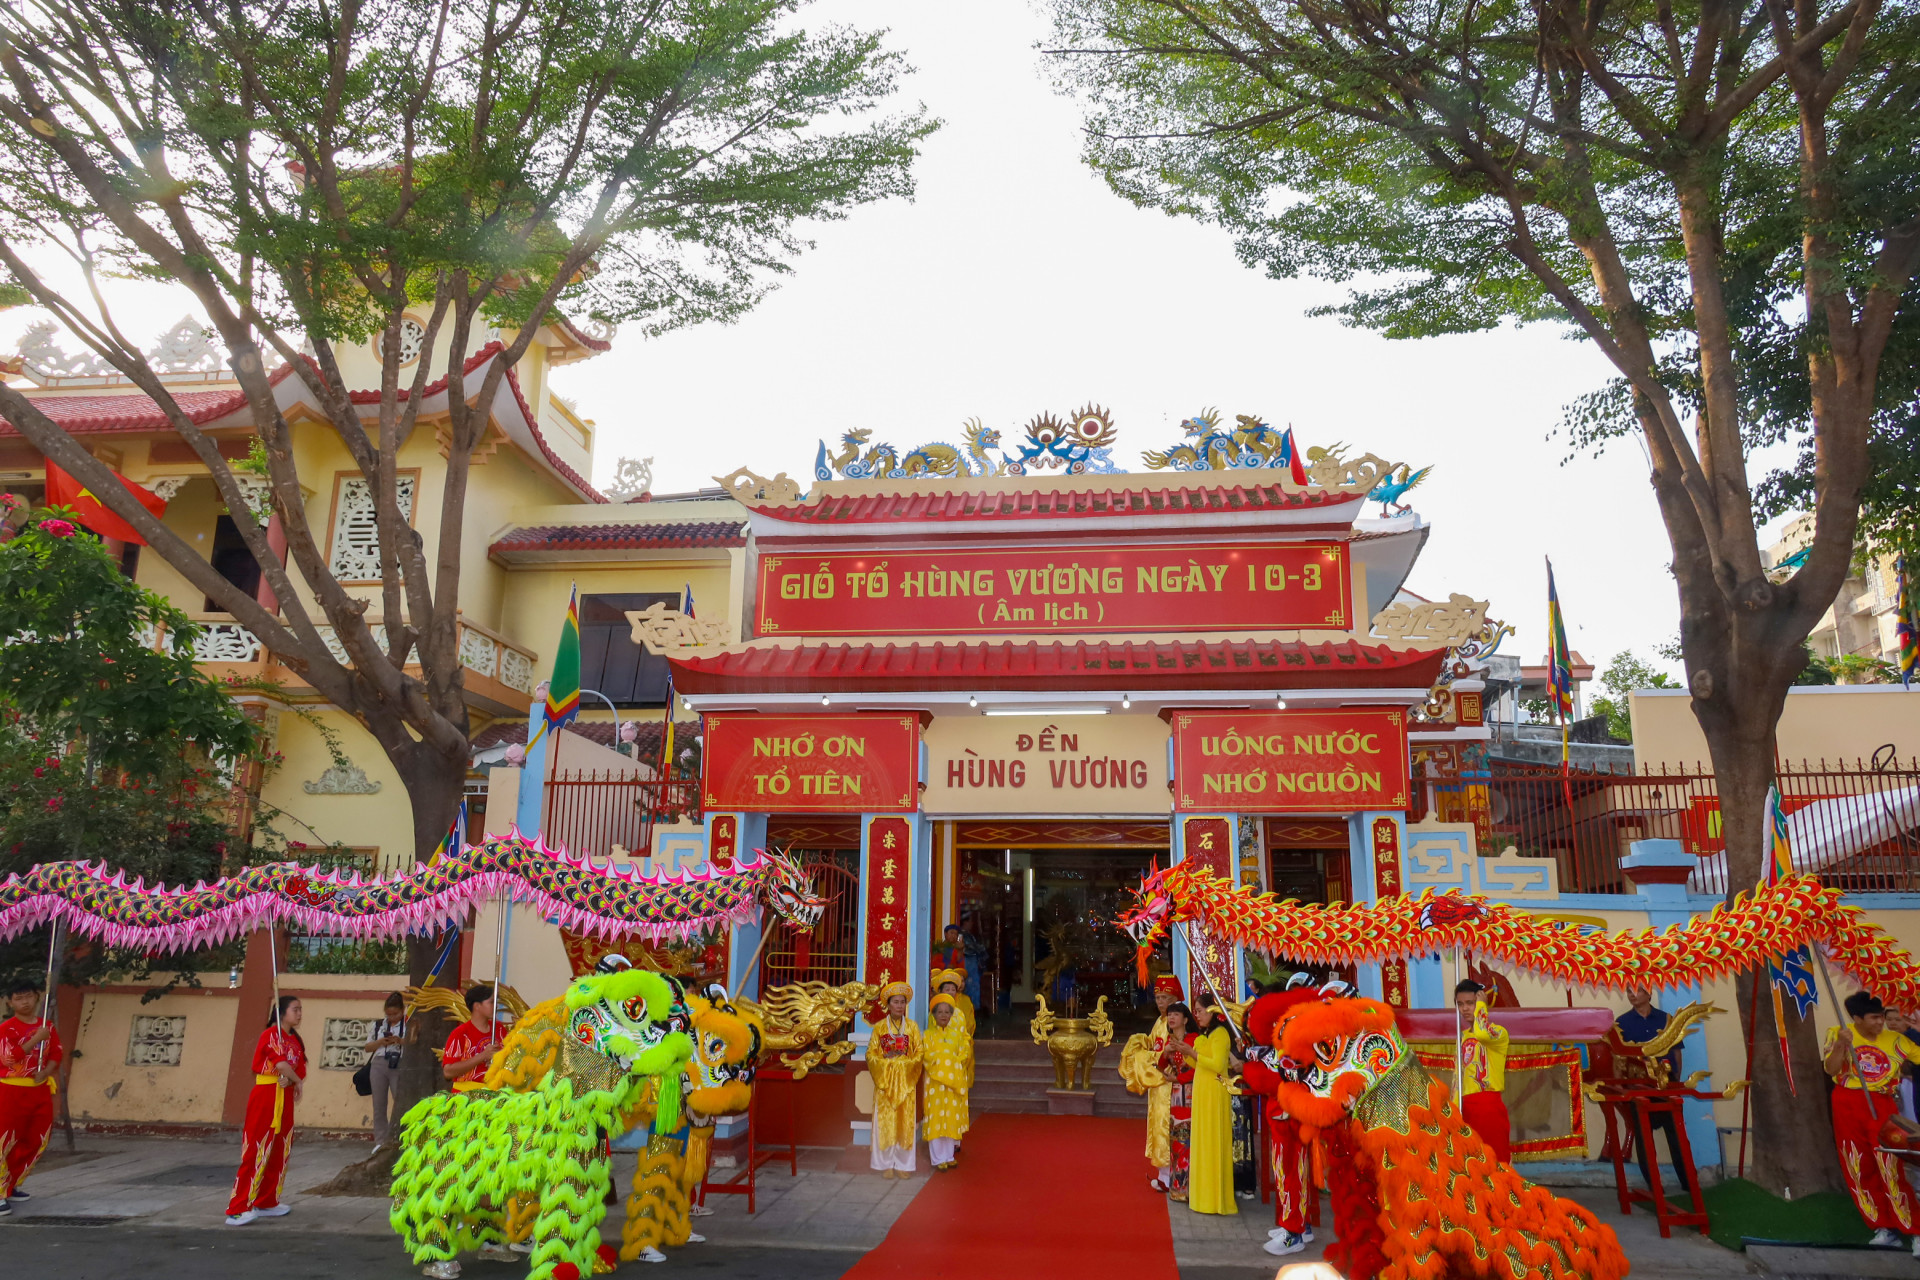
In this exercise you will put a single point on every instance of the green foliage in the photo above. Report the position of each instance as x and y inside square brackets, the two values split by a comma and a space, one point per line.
[106, 743]
[1816, 671]
[1858, 668]
[78, 659]
[1623, 676]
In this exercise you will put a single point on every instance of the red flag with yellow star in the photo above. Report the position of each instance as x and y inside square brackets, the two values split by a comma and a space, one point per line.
[65, 491]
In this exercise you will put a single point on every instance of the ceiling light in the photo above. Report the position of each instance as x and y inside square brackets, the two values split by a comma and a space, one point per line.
[1126, 700]
[972, 701]
[1279, 703]
[825, 701]
[1044, 711]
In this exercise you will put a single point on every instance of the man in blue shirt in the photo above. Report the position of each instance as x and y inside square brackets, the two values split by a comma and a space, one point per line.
[1639, 1024]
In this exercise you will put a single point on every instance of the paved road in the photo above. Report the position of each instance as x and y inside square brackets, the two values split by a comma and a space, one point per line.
[250, 1253]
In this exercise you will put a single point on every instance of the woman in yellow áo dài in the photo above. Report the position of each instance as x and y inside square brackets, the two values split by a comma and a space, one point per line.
[1210, 1177]
[893, 1060]
[953, 984]
[949, 1062]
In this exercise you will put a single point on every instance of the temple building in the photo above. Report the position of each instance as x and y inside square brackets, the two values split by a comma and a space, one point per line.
[986, 686]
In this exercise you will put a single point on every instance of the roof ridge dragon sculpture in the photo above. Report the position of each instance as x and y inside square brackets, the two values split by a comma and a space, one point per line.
[1769, 922]
[1081, 443]
[580, 894]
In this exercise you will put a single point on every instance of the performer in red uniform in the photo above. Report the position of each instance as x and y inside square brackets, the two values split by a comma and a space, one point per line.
[471, 1045]
[1294, 1195]
[1866, 1064]
[279, 1066]
[29, 1059]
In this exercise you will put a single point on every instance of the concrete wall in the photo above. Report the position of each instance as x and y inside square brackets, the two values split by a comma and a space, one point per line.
[1830, 722]
[104, 1088]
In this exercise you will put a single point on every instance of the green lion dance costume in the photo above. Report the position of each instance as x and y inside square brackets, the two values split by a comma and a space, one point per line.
[467, 1158]
[718, 1081]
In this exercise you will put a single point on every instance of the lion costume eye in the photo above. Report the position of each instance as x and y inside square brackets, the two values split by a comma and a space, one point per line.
[1327, 1052]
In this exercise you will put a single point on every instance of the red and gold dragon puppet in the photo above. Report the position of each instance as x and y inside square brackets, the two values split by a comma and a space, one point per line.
[1416, 1194]
[1769, 922]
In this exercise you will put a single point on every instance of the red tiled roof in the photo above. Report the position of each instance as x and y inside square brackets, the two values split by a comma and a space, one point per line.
[624, 537]
[82, 415]
[1191, 497]
[136, 411]
[1057, 664]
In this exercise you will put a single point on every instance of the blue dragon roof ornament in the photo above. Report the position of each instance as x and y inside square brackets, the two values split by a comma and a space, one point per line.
[1080, 444]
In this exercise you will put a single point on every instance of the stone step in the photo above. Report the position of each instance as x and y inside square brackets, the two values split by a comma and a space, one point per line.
[1009, 1106]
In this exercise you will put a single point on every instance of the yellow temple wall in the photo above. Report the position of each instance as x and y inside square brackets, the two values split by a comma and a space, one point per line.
[1819, 722]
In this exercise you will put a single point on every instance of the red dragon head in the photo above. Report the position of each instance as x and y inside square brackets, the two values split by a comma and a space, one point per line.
[1150, 919]
[1450, 909]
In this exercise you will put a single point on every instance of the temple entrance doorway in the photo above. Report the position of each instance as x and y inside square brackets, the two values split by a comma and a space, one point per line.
[1037, 901]
[1307, 859]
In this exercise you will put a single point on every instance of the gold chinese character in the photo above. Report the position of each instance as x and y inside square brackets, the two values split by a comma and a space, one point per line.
[886, 868]
[886, 894]
[886, 951]
[886, 976]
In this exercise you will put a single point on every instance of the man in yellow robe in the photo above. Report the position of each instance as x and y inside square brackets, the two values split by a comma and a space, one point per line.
[1140, 1070]
[953, 983]
[893, 1060]
[949, 1063]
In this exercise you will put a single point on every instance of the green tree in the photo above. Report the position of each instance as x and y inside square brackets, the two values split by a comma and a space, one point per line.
[108, 742]
[1624, 674]
[312, 172]
[1652, 176]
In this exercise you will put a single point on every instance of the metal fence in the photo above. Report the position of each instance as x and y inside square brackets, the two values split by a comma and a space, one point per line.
[1856, 825]
[591, 812]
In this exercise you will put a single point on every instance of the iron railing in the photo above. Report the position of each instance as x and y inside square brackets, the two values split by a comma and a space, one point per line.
[591, 812]
[1857, 826]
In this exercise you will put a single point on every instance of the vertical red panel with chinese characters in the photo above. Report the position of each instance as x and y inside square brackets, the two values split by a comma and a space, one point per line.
[1208, 843]
[889, 872]
[1387, 883]
[724, 841]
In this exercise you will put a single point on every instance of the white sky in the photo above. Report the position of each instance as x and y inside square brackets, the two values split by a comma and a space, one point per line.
[1016, 283]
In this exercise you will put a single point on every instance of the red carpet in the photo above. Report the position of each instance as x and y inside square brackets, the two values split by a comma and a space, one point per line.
[1060, 1197]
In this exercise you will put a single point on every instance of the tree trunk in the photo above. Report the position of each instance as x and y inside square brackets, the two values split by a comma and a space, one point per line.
[1792, 1132]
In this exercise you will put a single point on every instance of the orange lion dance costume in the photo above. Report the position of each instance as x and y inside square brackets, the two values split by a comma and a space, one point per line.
[1416, 1194]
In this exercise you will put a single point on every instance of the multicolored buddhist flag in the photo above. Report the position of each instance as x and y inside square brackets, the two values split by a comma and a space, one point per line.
[563, 689]
[1790, 975]
[1906, 628]
[456, 837]
[1559, 656]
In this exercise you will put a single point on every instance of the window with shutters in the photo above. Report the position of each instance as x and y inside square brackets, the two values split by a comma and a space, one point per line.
[356, 536]
[610, 662]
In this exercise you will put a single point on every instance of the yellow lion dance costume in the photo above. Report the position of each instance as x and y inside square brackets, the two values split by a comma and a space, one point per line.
[719, 1082]
[1416, 1194]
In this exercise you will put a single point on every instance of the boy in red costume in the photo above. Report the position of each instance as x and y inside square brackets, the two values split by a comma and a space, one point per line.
[1294, 1195]
[29, 1057]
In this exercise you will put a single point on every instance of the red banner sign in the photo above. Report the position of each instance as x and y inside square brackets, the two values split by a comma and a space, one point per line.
[1334, 761]
[1395, 987]
[889, 880]
[1248, 586]
[1208, 843]
[811, 764]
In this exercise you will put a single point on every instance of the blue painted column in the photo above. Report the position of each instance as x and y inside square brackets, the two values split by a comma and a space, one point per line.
[1661, 884]
[1374, 871]
[750, 834]
[1178, 853]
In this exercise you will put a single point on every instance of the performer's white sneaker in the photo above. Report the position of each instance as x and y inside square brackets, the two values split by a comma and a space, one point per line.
[1884, 1239]
[1306, 1233]
[274, 1211]
[521, 1246]
[651, 1254]
[447, 1270]
[497, 1253]
[242, 1219]
[699, 1211]
[1276, 1233]
[694, 1237]
[1281, 1245]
